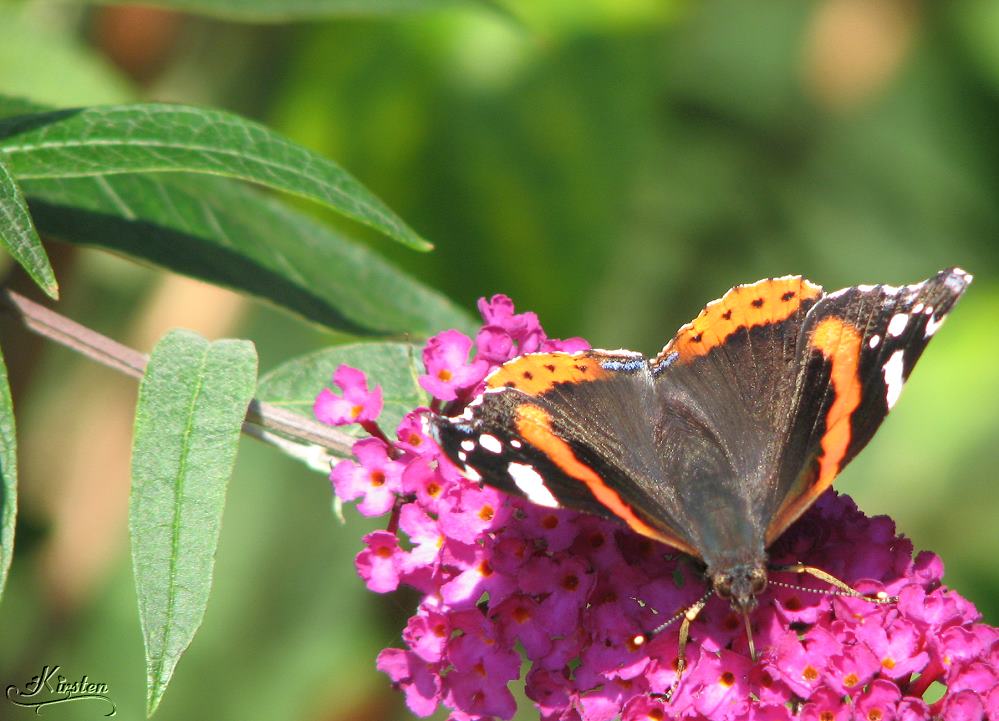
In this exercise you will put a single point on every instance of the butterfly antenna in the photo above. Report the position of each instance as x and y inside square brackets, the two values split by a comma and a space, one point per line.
[839, 587]
[643, 638]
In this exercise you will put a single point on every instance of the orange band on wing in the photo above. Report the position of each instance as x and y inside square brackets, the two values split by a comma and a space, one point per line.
[839, 342]
[536, 373]
[744, 306]
[534, 425]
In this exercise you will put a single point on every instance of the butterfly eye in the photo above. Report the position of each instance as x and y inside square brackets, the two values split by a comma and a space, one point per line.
[758, 583]
[723, 586]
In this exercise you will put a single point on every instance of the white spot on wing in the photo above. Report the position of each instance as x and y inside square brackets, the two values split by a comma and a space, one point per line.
[918, 307]
[897, 324]
[893, 377]
[471, 474]
[933, 325]
[490, 443]
[462, 456]
[530, 482]
[873, 342]
[515, 443]
[468, 445]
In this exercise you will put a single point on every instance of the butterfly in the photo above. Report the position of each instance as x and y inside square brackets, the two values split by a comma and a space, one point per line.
[716, 445]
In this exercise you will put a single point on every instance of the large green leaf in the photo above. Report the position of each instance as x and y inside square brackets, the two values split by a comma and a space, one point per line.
[192, 401]
[393, 366]
[171, 138]
[224, 232]
[18, 235]
[285, 10]
[8, 476]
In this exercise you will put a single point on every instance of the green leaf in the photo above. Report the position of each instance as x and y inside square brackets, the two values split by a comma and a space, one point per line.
[233, 235]
[173, 138]
[286, 10]
[393, 366]
[8, 476]
[18, 235]
[192, 401]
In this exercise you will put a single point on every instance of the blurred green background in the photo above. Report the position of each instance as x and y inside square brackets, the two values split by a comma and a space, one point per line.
[610, 164]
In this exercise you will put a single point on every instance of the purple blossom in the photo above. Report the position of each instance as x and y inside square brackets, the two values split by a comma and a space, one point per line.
[377, 479]
[356, 405]
[448, 370]
[499, 574]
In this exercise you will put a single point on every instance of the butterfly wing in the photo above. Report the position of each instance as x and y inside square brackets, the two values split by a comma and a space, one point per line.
[725, 392]
[720, 442]
[572, 431]
[856, 350]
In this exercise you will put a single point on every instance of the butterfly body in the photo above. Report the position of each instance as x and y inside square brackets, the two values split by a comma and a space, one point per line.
[717, 444]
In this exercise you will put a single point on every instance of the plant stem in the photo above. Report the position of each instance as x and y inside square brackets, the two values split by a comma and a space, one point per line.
[309, 441]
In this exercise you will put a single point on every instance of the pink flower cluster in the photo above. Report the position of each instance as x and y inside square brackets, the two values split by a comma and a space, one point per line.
[502, 578]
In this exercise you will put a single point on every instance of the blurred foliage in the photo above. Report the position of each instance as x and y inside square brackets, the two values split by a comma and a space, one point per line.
[612, 165]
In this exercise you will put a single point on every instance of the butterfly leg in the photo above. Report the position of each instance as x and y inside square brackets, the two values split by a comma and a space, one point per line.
[844, 589]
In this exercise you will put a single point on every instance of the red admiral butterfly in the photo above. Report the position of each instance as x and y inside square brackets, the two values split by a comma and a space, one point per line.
[716, 445]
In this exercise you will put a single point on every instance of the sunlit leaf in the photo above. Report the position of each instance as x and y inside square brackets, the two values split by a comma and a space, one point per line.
[173, 138]
[18, 235]
[8, 476]
[226, 233]
[192, 401]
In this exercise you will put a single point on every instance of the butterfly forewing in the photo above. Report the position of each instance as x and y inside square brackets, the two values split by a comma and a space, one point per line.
[856, 350]
[525, 435]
